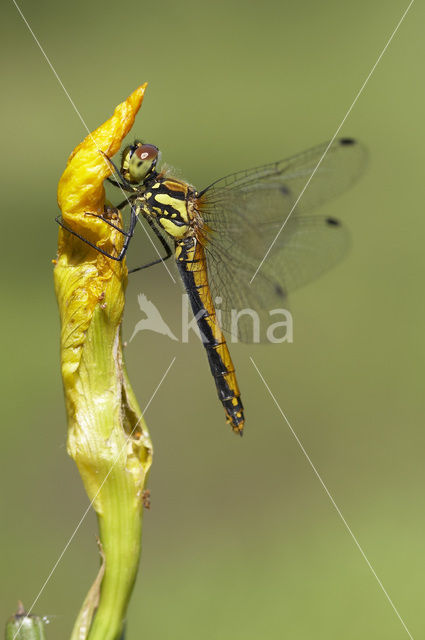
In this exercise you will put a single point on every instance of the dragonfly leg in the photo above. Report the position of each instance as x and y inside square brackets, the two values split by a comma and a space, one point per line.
[125, 202]
[122, 183]
[128, 235]
[168, 251]
[111, 224]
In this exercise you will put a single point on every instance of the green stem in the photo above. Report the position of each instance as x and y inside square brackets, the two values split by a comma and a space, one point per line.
[114, 466]
[121, 544]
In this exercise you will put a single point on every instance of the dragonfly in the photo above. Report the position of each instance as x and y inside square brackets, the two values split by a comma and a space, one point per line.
[247, 239]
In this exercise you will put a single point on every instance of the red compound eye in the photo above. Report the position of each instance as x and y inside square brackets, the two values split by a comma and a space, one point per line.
[147, 152]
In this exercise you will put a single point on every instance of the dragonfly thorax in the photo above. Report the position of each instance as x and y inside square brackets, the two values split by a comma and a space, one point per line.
[170, 202]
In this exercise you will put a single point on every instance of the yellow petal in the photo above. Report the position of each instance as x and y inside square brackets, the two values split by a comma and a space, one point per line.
[84, 278]
[81, 185]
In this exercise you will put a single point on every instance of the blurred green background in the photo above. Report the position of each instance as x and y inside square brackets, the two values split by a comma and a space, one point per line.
[241, 540]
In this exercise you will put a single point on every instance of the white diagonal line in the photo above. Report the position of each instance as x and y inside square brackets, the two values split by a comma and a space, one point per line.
[152, 243]
[51, 67]
[92, 501]
[46, 57]
[360, 91]
[337, 509]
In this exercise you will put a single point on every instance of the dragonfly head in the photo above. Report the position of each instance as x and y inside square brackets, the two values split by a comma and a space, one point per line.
[139, 161]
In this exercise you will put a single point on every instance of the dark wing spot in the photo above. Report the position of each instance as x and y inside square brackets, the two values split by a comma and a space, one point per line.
[333, 222]
[279, 291]
[347, 141]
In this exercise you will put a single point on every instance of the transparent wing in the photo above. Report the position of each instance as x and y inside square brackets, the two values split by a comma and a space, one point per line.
[341, 164]
[244, 213]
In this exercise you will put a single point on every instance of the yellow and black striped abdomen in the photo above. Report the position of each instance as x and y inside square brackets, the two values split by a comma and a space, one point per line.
[190, 258]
